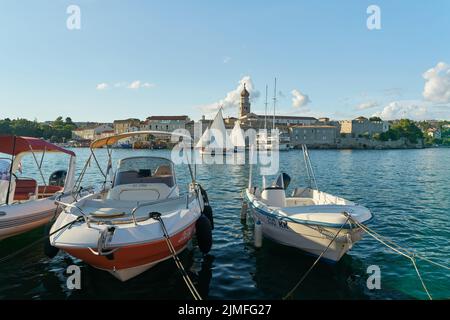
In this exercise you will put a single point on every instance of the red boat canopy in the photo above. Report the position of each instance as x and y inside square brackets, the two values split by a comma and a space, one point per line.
[28, 144]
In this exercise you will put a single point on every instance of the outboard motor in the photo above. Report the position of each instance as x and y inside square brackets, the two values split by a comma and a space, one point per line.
[57, 178]
[275, 195]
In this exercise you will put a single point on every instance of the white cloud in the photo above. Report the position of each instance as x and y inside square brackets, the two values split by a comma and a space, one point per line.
[367, 105]
[133, 85]
[147, 85]
[232, 98]
[415, 110]
[437, 83]
[299, 99]
[138, 84]
[102, 86]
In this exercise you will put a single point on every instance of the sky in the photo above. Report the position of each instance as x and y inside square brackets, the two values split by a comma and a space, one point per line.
[142, 58]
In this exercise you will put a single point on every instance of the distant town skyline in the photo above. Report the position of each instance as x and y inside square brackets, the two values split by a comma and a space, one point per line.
[138, 59]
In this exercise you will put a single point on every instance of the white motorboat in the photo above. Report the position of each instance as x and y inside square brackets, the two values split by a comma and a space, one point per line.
[309, 219]
[26, 204]
[138, 219]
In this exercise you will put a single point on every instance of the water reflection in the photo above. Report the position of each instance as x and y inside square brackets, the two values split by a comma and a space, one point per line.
[407, 190]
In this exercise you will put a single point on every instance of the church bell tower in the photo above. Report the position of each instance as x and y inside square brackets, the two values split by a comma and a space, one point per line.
[244, 108]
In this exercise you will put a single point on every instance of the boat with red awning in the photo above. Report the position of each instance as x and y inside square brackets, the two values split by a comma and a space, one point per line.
[25, 203]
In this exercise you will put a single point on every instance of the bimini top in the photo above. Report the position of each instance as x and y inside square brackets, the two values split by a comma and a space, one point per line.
[108, 141]
[15, 145]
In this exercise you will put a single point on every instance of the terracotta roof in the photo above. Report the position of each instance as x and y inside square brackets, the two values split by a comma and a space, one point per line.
[168, 118]
[270, 117]
[317, 126]
[126, 120]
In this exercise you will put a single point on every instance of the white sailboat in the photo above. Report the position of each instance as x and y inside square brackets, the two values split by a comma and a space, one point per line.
[237, 137]
[216, 140]
[272, 141]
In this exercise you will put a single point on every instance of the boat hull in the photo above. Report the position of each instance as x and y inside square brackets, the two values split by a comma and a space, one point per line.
[311, 238]
[22, 217]
[212, 152]
[131, 260]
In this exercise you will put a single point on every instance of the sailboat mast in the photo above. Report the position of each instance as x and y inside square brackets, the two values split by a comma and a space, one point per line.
[265, 112]
[274, 102]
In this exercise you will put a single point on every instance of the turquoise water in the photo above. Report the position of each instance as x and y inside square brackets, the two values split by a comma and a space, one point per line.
[407, 190]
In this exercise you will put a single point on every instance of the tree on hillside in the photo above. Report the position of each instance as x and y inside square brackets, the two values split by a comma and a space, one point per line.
[404, 128]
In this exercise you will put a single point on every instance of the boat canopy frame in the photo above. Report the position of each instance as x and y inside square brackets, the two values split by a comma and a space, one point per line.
[109, 141]
[17, 146]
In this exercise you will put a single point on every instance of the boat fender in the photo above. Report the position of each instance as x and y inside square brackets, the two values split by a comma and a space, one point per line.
[207, 209]
[244, 209]
[49, 250]
[258, 234]
[349, 241]
[204, 234]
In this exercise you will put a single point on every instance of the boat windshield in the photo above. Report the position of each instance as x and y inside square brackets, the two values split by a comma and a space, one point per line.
[145, 170]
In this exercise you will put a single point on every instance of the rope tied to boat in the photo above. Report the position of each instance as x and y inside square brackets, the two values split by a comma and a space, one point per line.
[12, 255]
[157, 216]
[291, 293]
[398, 249]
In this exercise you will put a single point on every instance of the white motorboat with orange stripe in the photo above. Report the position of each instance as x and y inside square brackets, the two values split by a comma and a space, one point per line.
[124, 227]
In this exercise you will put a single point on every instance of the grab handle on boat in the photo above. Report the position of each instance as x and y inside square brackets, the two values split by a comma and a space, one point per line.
[100, 252]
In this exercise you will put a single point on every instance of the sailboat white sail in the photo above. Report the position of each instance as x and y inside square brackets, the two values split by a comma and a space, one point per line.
[204, 139]
[237, 137]
[217, 139]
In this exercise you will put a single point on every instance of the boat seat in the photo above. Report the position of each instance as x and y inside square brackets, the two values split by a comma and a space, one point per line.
[24, 189]
[139, 192]
[163, 170]
[293, 202]
[47, 191]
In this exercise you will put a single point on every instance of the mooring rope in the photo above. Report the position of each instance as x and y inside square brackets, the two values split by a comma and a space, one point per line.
[401, 251]
[6, 258]
[367, 229]
[290, 293]
[184, 274]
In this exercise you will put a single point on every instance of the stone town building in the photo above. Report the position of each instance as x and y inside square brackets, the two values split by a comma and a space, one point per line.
[312, 135]
[362, 126]
[165, 123]
[127, 125]
[255, 121]
[92, 132]
[434, 133]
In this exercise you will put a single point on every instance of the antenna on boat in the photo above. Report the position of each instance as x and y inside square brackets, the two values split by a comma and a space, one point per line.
[265, 112]
[274, 102]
